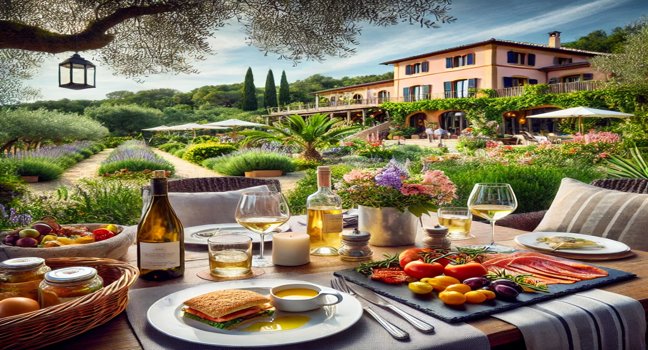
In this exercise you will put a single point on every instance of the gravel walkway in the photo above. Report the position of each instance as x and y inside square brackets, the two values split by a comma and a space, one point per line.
[87, 168]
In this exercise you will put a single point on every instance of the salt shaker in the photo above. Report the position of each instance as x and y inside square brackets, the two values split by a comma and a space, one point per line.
[437, 237]
[355, 246]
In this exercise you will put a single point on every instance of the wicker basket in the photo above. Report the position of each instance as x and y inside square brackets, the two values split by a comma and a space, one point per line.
[59, 322]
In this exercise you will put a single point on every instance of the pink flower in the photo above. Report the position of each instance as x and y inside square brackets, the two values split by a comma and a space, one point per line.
[359, 175]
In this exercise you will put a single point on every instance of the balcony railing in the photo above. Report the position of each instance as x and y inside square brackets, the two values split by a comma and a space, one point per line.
[345, 105]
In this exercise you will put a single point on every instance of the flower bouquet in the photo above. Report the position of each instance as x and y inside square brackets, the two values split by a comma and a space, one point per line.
[392, 186]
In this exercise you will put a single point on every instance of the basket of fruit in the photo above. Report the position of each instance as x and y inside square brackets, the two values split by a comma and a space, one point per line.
[48, 239]
[35, 329]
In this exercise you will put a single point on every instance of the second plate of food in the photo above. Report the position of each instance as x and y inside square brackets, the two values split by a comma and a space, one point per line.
[571, 243]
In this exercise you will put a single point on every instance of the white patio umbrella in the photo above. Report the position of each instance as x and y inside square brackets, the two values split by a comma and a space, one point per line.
[580, 113]
[230, 123]
[157, 128]
[194, 126]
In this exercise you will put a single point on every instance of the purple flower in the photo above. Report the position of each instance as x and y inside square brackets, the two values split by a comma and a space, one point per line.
[391, 176]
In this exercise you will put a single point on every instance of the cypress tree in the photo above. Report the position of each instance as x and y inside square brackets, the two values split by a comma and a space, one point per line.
[270, 93]
[249, 92]
[284, 91]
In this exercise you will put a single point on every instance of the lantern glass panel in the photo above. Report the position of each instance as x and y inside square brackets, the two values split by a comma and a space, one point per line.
[91, 76]
[78, 74]
[64, 73]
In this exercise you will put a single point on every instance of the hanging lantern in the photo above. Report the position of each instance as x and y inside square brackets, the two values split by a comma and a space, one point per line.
[77, 73]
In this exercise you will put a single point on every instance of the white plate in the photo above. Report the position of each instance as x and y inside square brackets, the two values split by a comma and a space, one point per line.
[609, 246]
[165, 315]
[200, 234]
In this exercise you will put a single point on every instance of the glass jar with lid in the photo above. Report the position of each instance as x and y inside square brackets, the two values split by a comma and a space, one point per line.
[20, 277]
[67, 284]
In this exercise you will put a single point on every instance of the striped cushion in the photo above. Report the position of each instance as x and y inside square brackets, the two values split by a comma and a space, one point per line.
[587, 209]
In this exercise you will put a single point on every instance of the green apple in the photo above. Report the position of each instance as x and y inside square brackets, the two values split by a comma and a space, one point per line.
[28, 232]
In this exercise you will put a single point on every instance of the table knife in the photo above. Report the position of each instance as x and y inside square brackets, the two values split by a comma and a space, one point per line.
[380, 301]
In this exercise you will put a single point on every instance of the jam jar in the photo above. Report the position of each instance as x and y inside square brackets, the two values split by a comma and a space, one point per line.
[67, 284]
[20, 277]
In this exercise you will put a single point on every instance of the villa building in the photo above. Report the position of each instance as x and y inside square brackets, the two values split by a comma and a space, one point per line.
[499, 65]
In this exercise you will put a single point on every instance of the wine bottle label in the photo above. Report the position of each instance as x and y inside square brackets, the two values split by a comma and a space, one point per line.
[157, 256]
[331, 223]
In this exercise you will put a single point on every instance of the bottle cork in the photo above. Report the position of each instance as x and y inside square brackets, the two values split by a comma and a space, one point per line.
[323, 176]
[159, 174]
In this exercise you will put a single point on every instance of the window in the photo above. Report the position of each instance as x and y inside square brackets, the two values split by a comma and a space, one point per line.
[516, 81]
[531, 59]
[383, 96]
[357, 98]
[459, 61]
[459, 88]
[515, 57]
[416, 93]
[588, 76]
[417, 68]
[571, 79]
[425, 66]
[562, 60]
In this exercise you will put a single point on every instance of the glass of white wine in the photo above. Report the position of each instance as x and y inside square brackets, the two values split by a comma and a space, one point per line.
[262, 212]
[493, 201]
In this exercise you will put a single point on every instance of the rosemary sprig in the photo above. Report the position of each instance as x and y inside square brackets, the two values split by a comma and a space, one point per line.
[523, 280]
[366, 268]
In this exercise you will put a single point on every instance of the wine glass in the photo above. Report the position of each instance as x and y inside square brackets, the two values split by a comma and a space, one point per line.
[493, 201]
[262, 212]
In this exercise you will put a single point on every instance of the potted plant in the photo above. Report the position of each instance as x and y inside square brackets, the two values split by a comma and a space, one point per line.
[390, 200]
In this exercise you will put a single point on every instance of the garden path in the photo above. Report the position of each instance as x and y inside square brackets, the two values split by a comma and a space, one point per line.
[87, 168]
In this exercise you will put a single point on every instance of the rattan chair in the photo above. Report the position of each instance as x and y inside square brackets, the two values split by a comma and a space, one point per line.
[529, 221]
[220, 184]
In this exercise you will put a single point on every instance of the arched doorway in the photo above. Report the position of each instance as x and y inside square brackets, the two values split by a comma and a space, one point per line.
[453, 122]
[383, 96]
[357, 98]
[417, 121]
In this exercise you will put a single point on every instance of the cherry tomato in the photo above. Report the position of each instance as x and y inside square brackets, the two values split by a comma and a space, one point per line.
[490, 295]
[464, 271]
[459, 287]
[452, 298]
[439, 283]
[420, 287]
[419, 269]
[475, 297]
[101, 234]
[411, 254]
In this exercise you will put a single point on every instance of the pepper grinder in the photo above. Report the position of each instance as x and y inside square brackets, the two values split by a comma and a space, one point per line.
[355, 246]
[437, 237]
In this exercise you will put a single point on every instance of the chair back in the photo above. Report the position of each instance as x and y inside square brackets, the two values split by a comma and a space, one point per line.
[623, 184]
[220, 184]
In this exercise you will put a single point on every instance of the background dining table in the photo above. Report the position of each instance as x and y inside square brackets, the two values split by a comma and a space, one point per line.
[117, 334]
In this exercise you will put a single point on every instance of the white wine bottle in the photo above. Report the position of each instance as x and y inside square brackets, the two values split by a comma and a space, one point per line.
[160, 236]
[324, 209]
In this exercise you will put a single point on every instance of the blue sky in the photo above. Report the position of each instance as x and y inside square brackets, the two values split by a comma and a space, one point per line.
[477, 20]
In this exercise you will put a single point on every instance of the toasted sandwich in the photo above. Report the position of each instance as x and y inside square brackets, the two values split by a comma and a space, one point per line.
[226, 308]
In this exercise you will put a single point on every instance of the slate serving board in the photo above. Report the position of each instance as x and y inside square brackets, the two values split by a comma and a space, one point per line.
[433, 306]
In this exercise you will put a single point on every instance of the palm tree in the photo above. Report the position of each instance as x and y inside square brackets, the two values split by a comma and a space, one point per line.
[311, 134]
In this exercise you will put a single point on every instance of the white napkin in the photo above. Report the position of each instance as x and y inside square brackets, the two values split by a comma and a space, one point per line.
[589, 320]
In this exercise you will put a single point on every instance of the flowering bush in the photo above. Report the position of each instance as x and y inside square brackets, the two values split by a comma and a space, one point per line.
[392, 186]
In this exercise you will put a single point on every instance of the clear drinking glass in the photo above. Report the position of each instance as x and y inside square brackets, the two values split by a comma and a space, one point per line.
[230, 255]
[458, 220]
[493, 201]
[262, 212]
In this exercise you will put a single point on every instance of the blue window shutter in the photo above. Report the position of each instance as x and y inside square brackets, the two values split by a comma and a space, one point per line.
[448, 62]
[531, 59]
[472, 83]
[470, 58]
[425, 91]
[425, 66]
[511, 57]
[408, 70]
[588, 76]
[447, 89]
[406, 94]
[508, 82]
[533, 81]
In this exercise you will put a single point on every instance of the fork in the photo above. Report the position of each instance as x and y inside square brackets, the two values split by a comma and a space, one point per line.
[391, 328]
[379, 301]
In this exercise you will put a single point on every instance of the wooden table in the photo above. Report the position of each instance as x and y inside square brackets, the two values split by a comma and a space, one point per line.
[117, 333]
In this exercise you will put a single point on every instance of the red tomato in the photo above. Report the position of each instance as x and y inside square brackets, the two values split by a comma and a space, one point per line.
[101, 234]
[461, 272]
[419, 269]
[411, 254]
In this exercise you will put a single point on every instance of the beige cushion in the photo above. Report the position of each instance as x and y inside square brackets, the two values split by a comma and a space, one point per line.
[203, 208]
[587, 209]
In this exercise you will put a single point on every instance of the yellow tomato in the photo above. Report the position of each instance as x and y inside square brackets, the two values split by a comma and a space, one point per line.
[420, 287]
[84, 239]
[475, 297]
[490, 295]
[48, 238]
[452, 298]
[113, 228]
[439, 283]
[458, 287]
[65, 240]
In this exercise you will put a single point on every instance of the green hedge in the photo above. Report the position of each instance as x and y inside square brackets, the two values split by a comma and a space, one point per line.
[196, 153]
[254, 159]
[171, 147]
[46, 170]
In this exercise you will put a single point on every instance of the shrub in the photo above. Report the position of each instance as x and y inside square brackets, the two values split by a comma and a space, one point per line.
[414, 152]
[535, 186]
[253, 159]
[133, 156]
[114, 141]
[179, 153]
[303, 164]
[308, 185]
[196, 153]
[468, 145]
[210, 162]
[171, 147]
[43, 168]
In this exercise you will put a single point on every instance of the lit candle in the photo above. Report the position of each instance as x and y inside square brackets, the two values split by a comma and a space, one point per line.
[290, 248]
